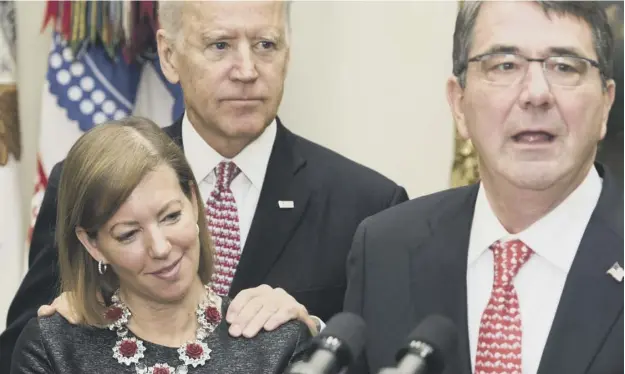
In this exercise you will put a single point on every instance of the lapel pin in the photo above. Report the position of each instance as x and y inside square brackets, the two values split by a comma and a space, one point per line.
[286, 204]
[616, 271]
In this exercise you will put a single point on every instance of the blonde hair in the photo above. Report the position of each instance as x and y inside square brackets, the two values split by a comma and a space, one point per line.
[100, 172]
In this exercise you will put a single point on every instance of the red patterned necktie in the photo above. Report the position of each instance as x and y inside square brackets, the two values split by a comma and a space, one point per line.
[499, 340]
[223, 223]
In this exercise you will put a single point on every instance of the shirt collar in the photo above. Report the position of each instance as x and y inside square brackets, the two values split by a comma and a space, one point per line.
[252, 160]
[547, 236]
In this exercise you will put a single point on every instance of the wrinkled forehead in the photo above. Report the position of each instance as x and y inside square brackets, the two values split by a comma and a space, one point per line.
[526, 27]
[234, 16]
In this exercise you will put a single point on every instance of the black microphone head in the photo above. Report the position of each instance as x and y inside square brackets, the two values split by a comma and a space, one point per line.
[349, 329]
[439, 333]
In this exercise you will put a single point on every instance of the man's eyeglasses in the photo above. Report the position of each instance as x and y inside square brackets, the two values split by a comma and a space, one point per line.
[505, 69]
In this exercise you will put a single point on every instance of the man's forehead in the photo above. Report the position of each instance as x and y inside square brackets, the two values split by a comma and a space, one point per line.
[526, 26]
[235, 14]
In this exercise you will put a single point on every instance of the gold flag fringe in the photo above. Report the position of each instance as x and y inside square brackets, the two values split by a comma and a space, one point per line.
[125, 24]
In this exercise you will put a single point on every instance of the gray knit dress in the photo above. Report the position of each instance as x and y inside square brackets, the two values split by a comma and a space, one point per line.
[53, 345]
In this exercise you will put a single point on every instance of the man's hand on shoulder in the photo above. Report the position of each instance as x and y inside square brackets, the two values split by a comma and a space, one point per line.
[60, 305]
[264, 307]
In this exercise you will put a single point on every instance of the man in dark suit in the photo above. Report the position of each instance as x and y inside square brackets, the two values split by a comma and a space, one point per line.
[528, 262]
[298, 204]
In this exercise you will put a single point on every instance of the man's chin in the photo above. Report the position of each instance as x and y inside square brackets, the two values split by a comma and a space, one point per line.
[245, 128]
[535, 177]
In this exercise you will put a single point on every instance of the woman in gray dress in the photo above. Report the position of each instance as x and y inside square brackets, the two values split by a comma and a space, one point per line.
[131, 227]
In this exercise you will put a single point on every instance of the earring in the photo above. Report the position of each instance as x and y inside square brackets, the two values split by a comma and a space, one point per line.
[102, 267]
[197, 227]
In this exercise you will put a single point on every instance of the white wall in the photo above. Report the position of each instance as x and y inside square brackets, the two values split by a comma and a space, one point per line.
[366, 79]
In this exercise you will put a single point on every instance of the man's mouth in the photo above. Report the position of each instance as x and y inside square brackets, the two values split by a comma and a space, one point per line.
[534, 137]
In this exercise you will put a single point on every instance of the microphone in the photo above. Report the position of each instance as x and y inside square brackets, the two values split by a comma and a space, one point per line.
[336, 347]
[431, 343]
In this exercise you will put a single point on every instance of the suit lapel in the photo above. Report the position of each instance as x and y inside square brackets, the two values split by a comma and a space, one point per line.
[591, 299]
[175, 132]
[273, 226]
[439, 270]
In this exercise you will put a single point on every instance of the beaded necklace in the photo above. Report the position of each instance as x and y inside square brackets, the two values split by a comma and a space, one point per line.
[130, 350]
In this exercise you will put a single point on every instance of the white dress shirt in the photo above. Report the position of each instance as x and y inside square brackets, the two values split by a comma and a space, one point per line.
[246, 186]
[539, 284]
[252, 161]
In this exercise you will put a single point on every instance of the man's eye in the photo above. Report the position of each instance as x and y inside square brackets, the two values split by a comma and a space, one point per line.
[506, 66]
[564, 68]
[220, 46]
[268, 44]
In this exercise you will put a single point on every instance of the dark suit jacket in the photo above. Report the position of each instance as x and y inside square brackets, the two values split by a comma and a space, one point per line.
[410, 261]
[303, 250]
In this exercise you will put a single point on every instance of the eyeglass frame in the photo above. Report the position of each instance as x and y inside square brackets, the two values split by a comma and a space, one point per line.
[480, 57]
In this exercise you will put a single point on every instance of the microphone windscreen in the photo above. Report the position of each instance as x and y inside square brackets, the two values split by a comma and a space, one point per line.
[438, 332]
[350, 329]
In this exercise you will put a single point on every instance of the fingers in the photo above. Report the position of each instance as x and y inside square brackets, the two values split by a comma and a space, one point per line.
[296, 311]
[48, 310]
[283, 315]
[62, 305]
[45, 311]
[242, 318]
[312, 326]
[263, 307]
[68, 312]
[242, 299]
[258, 321]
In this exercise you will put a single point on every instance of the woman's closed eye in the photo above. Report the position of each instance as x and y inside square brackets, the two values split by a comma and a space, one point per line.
[126, 236]
[172, 217]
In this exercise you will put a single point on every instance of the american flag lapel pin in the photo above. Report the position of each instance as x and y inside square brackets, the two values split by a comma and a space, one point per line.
[286, 204]
[616, 271]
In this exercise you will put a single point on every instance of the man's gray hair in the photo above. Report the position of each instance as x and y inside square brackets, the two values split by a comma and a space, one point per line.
[591, 12]
[170, 18]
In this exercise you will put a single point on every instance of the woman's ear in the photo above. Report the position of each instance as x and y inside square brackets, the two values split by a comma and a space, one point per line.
[90, 244]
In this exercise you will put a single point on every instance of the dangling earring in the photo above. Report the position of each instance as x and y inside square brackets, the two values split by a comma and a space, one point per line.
[197, 227]
[102, 267]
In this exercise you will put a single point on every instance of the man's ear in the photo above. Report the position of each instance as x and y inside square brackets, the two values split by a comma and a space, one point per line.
[288, 60]
[608, 100]
[455, 95]
[90, 245]
[168, 56]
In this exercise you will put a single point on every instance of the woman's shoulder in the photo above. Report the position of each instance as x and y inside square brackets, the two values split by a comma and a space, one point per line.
[32, 346]
[55, 330]
[267, 352]
[53, 322]
[56, 325]
[41, 327]
[48, 344]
